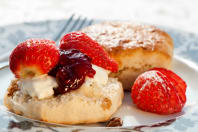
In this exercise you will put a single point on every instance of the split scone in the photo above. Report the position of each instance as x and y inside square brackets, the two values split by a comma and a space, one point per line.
[89, 104]
[63, 85]
[135, 47]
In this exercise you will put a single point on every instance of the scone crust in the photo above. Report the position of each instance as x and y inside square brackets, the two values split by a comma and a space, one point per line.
[117, 37]
[135, 47]
[69, 108]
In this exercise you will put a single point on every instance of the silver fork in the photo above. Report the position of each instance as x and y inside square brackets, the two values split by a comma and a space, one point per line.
[73, 24]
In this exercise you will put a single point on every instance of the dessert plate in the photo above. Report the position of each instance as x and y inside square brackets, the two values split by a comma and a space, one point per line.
[128, 112]
[186, 45]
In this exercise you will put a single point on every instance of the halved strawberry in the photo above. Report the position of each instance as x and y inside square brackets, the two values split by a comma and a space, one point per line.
[33, 57]
[82, 42]
[160, 91]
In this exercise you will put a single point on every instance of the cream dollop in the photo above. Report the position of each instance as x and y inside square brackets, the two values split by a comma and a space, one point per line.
[90, 86]
[101, 76]
[40, 86]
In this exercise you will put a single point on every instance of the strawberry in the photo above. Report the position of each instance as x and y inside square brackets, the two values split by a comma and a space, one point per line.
[179, 84]
[33, 57]
[82, 42]
[160, 91]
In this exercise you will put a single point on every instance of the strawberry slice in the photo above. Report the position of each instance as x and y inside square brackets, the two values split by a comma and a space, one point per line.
[160, 91]
[33, 57]
[82, 42]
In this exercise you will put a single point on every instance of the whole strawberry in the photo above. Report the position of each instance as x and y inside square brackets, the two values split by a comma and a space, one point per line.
[82, 42]
[160, 91]
[33, 57]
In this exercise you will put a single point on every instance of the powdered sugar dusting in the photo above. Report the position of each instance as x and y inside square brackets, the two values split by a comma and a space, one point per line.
[153, 78]
[28, 44]
[125, 35]
[147, 83]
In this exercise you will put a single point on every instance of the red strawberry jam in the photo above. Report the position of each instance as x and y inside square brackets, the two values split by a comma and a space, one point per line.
[71, 71]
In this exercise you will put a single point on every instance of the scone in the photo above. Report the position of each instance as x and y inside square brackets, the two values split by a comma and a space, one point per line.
[88, 104]
[135, 47]
[63, 85]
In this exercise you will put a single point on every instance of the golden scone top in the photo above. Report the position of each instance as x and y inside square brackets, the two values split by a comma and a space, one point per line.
[123, 35]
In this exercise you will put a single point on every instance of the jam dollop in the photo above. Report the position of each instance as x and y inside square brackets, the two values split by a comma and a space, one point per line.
[71, 71]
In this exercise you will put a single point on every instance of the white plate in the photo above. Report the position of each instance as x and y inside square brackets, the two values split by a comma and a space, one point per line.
[129, 113]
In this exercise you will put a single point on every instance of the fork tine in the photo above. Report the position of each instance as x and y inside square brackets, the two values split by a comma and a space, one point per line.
[81, 24]
[73, 25]
[63, 29]
[90, 22]
[67, 25]
[72, 28]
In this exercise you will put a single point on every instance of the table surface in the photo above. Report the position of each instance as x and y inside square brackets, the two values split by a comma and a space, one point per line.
[181, 14]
